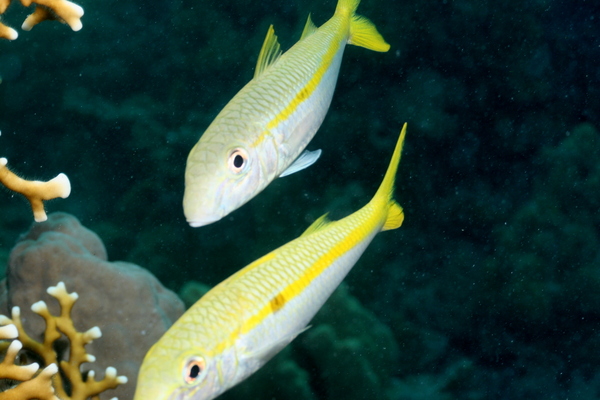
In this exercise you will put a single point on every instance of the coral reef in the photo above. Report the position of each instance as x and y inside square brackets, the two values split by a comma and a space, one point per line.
[71, 383]
[338, 338]
[35, 191]
[130, 305]
[31, 386]
[61, 10]
[498, 244]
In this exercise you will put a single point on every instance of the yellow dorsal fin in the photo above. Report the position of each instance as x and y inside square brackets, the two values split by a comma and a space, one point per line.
[395, 214]
[309, 28]
[269, 53]
[319, 224]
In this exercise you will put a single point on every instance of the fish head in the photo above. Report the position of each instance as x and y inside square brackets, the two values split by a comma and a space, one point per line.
[187, 375]
[219, 178]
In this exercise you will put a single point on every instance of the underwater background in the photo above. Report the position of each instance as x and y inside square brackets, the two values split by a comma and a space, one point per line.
[490, 289]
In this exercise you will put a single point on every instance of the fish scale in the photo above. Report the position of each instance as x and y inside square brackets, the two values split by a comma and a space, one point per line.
[245, 320]
[271, 120]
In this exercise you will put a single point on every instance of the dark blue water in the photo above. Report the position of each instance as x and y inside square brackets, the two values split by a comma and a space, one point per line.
[491, 288]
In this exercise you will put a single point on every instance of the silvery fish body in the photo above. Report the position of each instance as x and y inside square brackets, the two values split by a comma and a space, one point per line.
[268, 123]
[241, 323]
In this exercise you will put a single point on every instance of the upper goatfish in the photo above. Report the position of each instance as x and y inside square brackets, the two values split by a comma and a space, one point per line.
[245, 320]
[268, 123]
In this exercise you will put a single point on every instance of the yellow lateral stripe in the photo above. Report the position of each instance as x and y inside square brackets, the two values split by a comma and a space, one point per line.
[260, 138]
[294, 289]
[309, 88]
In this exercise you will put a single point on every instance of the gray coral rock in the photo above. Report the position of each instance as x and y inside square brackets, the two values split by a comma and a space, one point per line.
[128, 303]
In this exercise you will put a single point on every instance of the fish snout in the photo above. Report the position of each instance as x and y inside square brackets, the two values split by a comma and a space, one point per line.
[201, 210]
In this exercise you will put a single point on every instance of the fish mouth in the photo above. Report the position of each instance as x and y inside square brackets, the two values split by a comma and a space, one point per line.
[202, 221]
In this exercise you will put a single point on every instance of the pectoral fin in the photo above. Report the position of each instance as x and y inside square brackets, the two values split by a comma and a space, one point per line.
[305, 160]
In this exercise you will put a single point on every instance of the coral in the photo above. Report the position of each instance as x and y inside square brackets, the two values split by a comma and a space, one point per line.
[282, 379]
[192, 291]
[130, 305]
[35, 191]
[61, 10]
[32, 386]
[464, 185]
[80, 386]
[338, 338]
[547, 255]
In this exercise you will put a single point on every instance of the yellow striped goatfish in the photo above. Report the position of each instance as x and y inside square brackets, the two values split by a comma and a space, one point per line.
[268, 123]
[245, 320]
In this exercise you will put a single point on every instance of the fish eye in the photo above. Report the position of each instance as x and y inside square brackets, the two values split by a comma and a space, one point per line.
[238, 159]
[193, 369]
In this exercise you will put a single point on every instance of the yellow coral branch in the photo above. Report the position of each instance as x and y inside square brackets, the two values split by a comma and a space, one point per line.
[60, 10]
[56, 326]
[35, 191]
[38, 387]
[6, 32]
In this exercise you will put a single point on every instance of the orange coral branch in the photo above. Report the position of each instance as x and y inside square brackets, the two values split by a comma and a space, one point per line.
[56, 326]
[6, 32]
[38, 387]
[35, 191]
[60, 10]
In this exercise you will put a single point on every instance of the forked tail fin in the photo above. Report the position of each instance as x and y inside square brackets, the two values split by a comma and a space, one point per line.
[385, 193]
[363, 32]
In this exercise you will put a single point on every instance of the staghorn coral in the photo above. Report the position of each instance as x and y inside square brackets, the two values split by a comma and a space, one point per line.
[76, 386]
[32, 386]
[35, 191]
[60, 10]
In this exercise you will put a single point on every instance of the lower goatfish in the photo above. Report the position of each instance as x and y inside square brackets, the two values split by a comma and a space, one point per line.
[261, 132]
[241, 323]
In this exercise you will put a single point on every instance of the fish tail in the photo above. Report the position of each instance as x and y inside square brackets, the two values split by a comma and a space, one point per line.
[385, 193]
[363, 32]
[347, 7]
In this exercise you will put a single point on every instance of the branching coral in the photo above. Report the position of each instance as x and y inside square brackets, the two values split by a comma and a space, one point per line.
[61, 249]
[35, 191]
[70, 383]
[32, 387]
[60, 10]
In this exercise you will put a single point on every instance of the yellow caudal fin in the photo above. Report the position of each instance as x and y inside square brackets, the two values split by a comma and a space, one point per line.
[363, 32]
[385, 193]
[395, 217]
[347, 7]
